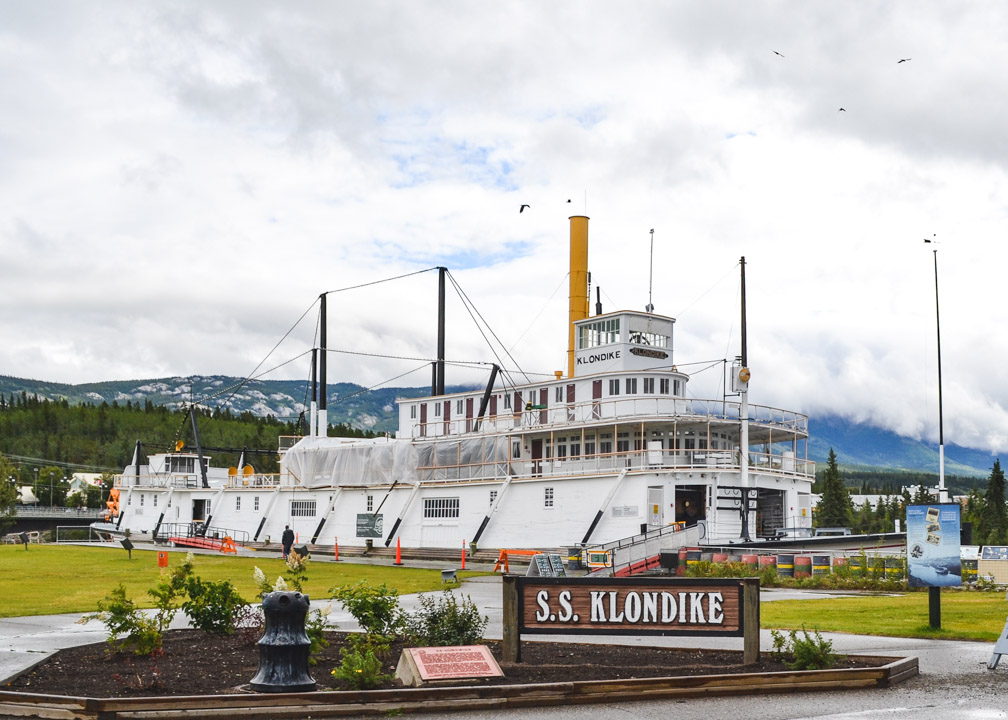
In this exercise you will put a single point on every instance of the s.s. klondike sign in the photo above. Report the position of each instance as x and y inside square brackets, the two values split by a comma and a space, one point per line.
[630, 606]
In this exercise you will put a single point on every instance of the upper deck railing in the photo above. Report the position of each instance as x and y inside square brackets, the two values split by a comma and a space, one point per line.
[616, 409]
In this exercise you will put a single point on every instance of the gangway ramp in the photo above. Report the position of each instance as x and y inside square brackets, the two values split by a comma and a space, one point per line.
[640, 553]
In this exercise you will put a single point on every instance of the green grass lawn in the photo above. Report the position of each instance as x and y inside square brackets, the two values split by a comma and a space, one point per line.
[964, 615]
[51, 579]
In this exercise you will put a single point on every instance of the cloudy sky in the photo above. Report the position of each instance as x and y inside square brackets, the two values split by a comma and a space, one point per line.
[180, 181]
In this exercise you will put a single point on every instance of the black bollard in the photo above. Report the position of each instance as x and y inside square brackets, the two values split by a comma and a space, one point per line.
[284, 646]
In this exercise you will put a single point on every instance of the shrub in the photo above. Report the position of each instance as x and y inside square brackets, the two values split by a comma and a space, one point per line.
[446, 621]
[803, 653]
[376, 608]
[361, 661]
[316, 625]
[213, 607]
[128, 627]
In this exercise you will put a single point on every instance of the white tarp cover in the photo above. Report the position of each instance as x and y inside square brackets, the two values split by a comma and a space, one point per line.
[331, 462]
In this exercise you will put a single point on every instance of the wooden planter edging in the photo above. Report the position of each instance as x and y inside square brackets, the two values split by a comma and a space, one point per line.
[332, 703]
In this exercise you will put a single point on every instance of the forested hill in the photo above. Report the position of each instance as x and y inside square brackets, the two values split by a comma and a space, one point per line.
[103, 437]
[348, 404]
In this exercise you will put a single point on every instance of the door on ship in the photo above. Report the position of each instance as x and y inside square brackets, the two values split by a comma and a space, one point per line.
[656, 507]
[689, 504]
[537, 449]
[199, 510]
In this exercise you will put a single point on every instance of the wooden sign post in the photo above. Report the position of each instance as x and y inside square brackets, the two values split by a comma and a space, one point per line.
[630, 606]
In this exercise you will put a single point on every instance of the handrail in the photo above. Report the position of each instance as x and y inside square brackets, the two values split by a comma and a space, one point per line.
[617, 409]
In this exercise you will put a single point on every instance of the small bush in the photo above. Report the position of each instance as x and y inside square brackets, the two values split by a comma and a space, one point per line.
[803, 653]
[128, 627]
[361, 661]
[316, 625]
[213, 607]
[446, 621]
[376, 608]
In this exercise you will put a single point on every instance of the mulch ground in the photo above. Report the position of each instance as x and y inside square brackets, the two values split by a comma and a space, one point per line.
[194, 663]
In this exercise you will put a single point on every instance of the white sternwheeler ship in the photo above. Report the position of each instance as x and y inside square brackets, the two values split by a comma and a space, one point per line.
[612, 449]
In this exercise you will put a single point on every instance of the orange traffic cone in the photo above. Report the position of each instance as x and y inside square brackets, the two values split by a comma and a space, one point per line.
[398, 552]
[463, 554]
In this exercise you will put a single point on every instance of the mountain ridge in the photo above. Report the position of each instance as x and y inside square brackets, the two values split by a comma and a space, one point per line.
[855, 444]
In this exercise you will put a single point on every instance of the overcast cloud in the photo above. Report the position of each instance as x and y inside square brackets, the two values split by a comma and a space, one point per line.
[179, 182]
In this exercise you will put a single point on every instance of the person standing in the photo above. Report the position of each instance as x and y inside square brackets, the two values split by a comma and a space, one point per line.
[287, 540]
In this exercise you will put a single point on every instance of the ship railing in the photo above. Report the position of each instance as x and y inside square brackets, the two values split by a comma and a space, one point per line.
[604, 463]
[657, 407]
[160, 481]
[255, 480]
[167, 531]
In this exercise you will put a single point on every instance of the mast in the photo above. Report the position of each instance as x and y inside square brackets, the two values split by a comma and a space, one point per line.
[743, 378]
[313, 412]
[322, 429]
[578, 295]
[439, 368]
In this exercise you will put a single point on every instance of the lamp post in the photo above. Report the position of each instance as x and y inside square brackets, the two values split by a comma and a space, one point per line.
[942, 493]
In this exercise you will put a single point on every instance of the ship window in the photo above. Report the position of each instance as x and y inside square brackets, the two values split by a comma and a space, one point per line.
[649, 386]
[255, 503]
[516, 449]
[302, 508]
[458, 407]
[589, 445]
[141, 500]
[437, 409]
[507, 401]
[631, 386]
[647, 338]
[601, 332]
[155, 501]
[237, 502]
[575, 449]
[548, 497]
[562, 452]
[412, 412]
[605, 445]
[663, 386]
[445, 507]
[558, 396]
[623, 442]
[493, 497]
[370, 503]
[614, 386]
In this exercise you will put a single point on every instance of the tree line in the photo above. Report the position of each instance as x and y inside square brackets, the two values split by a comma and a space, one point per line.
[43, 440]
[986, 510]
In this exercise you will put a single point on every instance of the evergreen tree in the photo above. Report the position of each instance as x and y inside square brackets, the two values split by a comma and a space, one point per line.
[8, 492]
[834, 509]
[993, 529]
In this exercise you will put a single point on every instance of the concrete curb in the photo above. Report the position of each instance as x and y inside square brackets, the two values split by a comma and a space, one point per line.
[373, 702]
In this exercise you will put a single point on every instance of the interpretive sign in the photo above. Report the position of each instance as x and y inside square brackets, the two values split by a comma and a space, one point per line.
[933, 545]
[546, 565]
[430, 664]
[631, 606]
[369, 525]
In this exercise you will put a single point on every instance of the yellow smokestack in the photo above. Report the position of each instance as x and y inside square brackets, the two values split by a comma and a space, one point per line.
[578, 296]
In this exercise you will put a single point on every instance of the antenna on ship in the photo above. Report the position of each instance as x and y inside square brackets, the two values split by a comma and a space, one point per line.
[650, 307]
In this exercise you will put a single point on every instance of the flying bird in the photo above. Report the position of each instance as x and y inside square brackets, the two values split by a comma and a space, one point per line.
[777, 54]
[842, 110]
[522, 208]
[903, 60]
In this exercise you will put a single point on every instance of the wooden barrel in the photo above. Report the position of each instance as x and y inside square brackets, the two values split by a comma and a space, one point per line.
[692, 558]
[855, 564]
[751, 560]
[839, 561]
[785, 564]
[719, 557]
[820, 564]
[707, 557]
[767, 561]
[803, 566]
